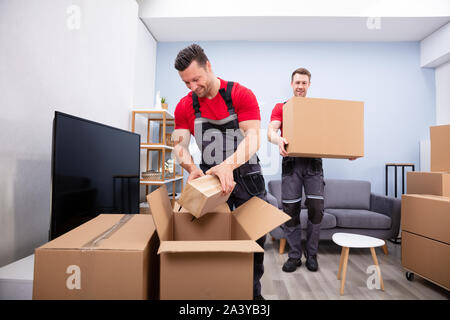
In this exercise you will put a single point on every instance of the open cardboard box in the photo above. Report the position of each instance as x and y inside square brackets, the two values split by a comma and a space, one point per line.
[324, 128]
[210, 257]
[202, 195]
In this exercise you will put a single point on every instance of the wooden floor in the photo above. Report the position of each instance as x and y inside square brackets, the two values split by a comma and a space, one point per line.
[323, 284]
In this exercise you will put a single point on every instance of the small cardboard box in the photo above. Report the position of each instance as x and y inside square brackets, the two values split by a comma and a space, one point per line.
[440, 148]
[428, 258]
[210, 257]
[434, 183]
[112, 256]
[202, 195]
[426, 215]
[324, 128]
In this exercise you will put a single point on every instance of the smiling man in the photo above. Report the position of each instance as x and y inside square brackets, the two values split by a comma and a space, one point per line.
[298, 173]
[224, 118]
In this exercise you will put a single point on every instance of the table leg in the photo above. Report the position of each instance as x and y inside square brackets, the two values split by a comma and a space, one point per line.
[340, 263]
[386, 180]
[375, 260]
[385, 249]
[282, 245]
[403, 179]
[395, 176]
[344, 270]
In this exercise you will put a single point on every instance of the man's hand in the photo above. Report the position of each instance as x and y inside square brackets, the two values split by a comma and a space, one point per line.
[224, 172]
[282, 142]
[273, 137]
[195, 173]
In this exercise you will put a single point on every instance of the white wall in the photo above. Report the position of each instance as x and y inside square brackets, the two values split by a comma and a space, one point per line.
[144, 89]
[44, 66]
[442, 74]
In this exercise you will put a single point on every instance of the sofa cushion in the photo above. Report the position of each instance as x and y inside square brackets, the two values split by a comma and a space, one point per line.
[271, 199]
[274, 187]
[364, 219]
[328, 220]
[347, 194]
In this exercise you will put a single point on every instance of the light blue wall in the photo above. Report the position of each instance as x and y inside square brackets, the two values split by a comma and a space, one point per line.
[399, 96]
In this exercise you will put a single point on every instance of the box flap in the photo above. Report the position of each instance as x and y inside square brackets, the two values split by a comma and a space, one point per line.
[245, 246]
[257, 217]
[161, 211]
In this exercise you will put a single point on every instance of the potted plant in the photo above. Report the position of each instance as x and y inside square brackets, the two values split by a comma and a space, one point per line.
[164, 105]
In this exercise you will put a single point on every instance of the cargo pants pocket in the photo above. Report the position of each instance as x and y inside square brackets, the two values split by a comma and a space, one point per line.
[252, 179]
[315, 167]
[287, 166]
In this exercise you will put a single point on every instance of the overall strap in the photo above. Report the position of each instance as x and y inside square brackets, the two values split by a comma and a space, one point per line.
[196, 105]
[226, 95]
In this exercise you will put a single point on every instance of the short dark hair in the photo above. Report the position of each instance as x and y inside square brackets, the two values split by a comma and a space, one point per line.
[189, 54]
[301, 71]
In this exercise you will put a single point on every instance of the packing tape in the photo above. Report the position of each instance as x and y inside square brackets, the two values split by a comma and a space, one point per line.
[92, 244]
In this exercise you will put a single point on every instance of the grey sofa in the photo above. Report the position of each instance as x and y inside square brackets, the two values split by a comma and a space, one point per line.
[350, 207]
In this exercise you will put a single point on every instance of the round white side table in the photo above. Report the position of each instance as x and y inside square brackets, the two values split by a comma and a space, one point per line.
[349, 240]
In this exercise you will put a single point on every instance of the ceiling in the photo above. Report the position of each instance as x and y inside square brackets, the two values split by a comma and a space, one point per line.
[293, 20]
[292, 28]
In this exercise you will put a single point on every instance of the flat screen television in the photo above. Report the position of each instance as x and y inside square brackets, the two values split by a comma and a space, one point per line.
[95, 169]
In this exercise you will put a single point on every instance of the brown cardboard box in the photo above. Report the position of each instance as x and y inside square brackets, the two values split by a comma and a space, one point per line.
[440, 148]
[210, 257]
[324, 128]
[428, 258]
[202, 195]
[434, 183]
[426, 215]
[112, 256]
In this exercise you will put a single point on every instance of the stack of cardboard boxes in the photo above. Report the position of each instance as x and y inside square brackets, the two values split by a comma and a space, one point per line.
[205, 255]
[426, 214]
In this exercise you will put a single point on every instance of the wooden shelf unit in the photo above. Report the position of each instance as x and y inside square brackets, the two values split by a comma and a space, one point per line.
[165, 119]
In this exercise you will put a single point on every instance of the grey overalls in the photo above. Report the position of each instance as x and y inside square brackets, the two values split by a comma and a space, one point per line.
[217, 140]
[298, 173]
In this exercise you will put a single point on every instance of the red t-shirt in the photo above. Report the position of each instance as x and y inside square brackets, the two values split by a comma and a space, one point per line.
[277, 114]
[244, 102]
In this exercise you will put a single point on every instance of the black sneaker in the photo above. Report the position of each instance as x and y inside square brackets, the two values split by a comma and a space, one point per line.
[311, 263]
[291, 264]
[258, 297]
